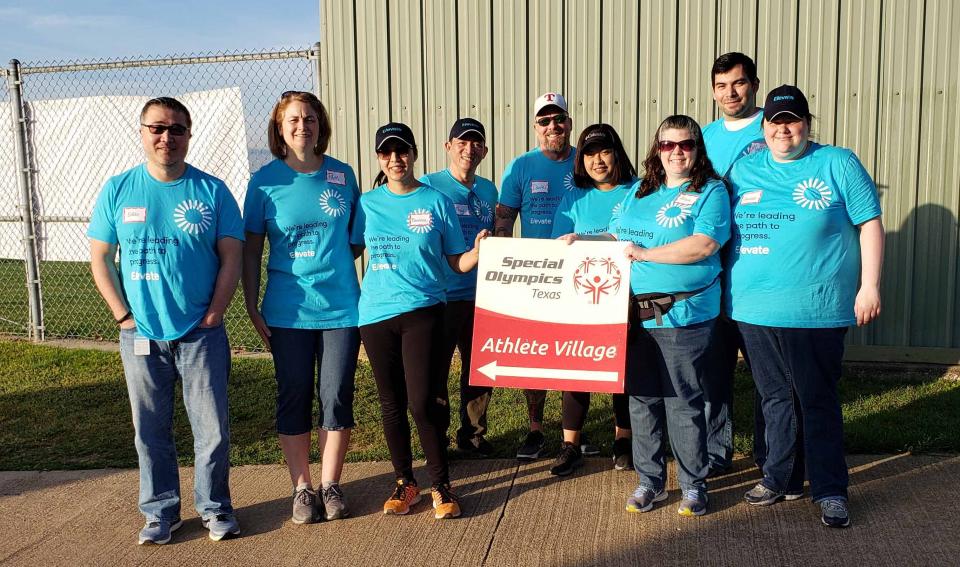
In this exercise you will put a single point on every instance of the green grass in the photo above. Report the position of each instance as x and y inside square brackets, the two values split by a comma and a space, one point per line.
[68, 409]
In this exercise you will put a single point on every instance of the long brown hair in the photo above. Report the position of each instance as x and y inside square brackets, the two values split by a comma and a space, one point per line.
[654, 175]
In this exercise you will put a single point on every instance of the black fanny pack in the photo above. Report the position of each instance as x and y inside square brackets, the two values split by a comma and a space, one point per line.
[646, 306]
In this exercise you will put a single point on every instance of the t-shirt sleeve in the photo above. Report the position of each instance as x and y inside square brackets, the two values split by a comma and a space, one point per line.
[859, 192]
[253, 220]
[713, 219]
[452, 234]
[563, 219]
[511, 186]
[359, 225]
[229, 221]
[103, 226]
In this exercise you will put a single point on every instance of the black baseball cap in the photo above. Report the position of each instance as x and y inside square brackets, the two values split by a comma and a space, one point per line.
[464, 126]
[600, 137]
[395, 131]
[785, 98]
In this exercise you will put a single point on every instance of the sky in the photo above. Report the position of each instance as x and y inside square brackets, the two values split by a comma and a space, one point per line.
[35, 31]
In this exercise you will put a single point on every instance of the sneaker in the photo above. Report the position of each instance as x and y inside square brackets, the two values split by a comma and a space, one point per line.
[588, 449]
[158, 532]
[475, 446]
[622, 454]
[222, 526]
[643, 499]
[304, 506]
[569, 459]
[760, 495]
[694, 503]
[445, 502]
[834, 513]
[406, 494]
[333, 505]
[532, 446]
[790, 495]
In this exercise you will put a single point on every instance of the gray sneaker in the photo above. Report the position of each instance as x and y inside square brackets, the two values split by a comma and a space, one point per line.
[760, 495]
[694, 503]
[158, 532]
[834, 513]
[334, 506]
[643, 499]
[304, 507]
[222, 526]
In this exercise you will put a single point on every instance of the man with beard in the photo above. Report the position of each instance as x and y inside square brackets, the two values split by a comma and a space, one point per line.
[474, 199]
[533, 185]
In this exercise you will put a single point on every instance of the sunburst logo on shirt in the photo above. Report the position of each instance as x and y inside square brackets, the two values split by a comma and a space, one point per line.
[813, 194]
[617, 209]
[192, 216]
[483, 210]
[420, 221]
[672, 214]
[568, 181]
[332, 203]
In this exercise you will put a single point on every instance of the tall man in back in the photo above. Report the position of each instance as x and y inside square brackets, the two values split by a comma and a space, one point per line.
[735, 134]
[532, 186]
[180, 239]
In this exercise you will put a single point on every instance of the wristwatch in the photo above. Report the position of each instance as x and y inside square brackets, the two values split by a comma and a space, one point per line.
[124, 318]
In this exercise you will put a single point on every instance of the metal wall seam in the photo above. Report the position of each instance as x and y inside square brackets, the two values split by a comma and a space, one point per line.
[777, 42]
[582, 62]
[440, 78]
[510, 89]
[406, 68]
[373, 85]
[475, 42]
[545, 46]
[817, 69]
[695, 54]
[658, 44]
[338, 81]
[619, 48]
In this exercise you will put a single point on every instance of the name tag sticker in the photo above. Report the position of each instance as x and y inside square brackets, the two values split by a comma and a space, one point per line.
[687, 199]
[751, 197]
[134, 214]
[141, 345]
[539, 186]
[462, 210]
[337, 177]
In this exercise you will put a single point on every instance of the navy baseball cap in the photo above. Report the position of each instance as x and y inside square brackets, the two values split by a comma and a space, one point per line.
[785, 99]
[395, 131]
[600, 138]
[465, 126]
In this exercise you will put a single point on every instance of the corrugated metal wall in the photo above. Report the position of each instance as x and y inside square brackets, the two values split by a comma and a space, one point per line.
[881, 76]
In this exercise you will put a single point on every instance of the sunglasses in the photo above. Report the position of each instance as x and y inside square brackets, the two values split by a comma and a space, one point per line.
[158, 129]
[387, 151]
[557, 119]
[285, 94]
[686, 146]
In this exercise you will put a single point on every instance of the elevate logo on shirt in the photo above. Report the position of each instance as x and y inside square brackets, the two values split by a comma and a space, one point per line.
[332, 203]
[420, 221]
[813, 194]
[673, 213]
[193, 217]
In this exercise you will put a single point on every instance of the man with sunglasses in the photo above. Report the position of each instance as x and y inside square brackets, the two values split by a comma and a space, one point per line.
[180, 238]
[474, 199]
[533, 185]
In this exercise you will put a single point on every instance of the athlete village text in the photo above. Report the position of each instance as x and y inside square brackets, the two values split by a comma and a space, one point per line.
[572, 348]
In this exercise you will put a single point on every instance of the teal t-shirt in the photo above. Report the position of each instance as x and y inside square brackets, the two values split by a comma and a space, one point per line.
[535, 184]
[725, 146]
[588, 211]
[167, 234]
[408, 238]
[475, 213]
[667, 215]
[795, 254]
[311, 279]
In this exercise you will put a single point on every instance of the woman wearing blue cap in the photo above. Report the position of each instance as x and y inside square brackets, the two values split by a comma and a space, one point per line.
[603, 176]
[806, 228]
[303, 202]
[412, 234]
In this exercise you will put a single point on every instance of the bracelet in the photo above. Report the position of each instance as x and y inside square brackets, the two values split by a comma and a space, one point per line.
[124, 318]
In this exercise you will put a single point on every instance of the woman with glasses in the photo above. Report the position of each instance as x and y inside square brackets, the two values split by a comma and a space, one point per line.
[603, 176]
[806, 228]
[412, 235]
[303, 202]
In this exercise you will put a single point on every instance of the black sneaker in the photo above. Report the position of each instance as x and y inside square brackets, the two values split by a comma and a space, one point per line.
[569, 459]
[622, 454]
[532, 446]
[588, 449]
[475, 446]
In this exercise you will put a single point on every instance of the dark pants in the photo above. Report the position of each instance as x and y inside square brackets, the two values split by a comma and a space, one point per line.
[796, 372]
[404, 354]
[474, 400]
[576, 404]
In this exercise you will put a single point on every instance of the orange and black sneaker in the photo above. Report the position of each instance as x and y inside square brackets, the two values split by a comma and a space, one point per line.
[407, 494]
[445, 502]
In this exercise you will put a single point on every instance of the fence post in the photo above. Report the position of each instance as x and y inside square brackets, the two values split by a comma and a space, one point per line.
[15, 86]
[315, 56]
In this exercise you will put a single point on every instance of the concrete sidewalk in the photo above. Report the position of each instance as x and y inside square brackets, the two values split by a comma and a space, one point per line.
[904, 511]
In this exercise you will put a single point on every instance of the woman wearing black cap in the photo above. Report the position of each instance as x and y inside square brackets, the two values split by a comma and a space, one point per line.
[603, 175]
[806, 227]
[411, 231]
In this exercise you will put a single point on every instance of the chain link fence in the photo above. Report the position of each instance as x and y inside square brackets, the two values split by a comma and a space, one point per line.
[80, 126]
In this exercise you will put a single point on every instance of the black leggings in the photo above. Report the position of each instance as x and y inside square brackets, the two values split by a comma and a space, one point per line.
[404, 354]
[576, 404]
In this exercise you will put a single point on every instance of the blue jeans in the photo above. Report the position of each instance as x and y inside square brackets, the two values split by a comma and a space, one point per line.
[796, 372]
[718, 393]
[665, 370]
[201, 360]
[297, 354]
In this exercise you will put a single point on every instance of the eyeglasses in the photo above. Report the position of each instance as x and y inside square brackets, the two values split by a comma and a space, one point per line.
[686, 146]
[557, 119]
[159, 129]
